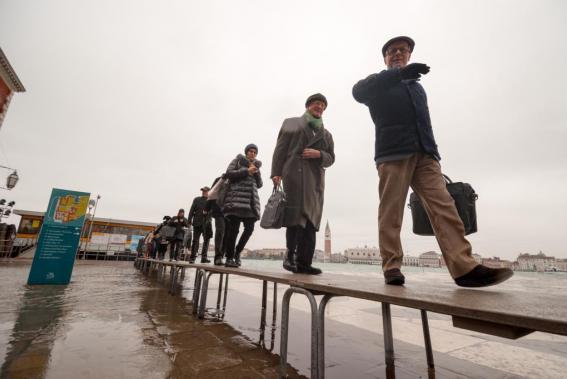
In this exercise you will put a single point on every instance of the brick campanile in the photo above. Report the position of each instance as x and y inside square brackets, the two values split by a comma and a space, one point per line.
[327, 242]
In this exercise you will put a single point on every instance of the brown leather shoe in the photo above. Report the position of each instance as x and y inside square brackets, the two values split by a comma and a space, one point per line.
[394, 277]
[482, 276]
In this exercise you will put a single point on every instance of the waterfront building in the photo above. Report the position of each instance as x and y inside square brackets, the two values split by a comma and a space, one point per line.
[408, 260]
[364, 255]
[338, 258]
[535, 262]
[496, 262]
[430, 259]
[9, 84]
[328, 250]
[277, 253]
[477, 258]
[561, 265]
[106, 237]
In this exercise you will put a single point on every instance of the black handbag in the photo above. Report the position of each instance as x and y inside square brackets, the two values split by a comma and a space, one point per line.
[464, 196]
[274, 210]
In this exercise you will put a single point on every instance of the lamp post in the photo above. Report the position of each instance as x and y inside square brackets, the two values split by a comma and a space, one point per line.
[91, 222]
[12, 179]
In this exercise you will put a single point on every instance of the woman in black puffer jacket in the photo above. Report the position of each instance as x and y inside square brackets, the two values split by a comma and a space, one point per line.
[241, 202]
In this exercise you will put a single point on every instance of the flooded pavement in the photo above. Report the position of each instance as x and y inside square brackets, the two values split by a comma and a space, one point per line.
[113, 322]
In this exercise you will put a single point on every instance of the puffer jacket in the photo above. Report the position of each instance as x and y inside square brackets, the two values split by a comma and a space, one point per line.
[400, 114]
[242, 198]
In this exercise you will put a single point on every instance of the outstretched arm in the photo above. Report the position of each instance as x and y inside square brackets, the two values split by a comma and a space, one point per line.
[367, 89]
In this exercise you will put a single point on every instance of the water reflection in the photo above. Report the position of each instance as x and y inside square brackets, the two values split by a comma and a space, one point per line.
[37, 323]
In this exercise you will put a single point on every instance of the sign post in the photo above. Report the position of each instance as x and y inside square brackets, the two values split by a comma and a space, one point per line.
[59, 237]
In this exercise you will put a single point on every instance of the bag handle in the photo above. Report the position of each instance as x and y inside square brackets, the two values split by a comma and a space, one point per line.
[277, 188]
[447, 179]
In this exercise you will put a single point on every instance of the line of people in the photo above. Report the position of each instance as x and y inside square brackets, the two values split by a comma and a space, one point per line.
[406, 155]
[240, 205]
[304, 150]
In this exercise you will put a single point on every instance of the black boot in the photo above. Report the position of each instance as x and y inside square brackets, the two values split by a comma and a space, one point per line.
[230, 263]
[237, 258]
[308, 269]
[204, 259]
[218, 260]
[289, 261]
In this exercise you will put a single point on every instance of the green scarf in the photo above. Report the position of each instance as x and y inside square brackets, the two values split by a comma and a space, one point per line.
[313, 122]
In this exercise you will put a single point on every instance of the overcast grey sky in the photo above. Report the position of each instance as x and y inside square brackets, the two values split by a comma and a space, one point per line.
[144, 102]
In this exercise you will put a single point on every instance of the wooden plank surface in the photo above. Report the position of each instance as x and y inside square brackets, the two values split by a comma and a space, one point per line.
[537, 312]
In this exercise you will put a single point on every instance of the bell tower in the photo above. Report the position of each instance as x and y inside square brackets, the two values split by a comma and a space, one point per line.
[327, 243]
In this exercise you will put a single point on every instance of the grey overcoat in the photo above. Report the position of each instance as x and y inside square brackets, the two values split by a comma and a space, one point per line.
[303, 179]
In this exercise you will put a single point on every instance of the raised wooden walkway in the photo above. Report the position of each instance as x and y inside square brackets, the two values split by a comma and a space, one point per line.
[504, 314]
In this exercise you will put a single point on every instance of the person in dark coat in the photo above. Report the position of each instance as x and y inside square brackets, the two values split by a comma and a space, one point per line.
[201, 226]
[178, 222]
[214, 210]
[159, 238]
[304, 150]
[405, 154]
[241, 202]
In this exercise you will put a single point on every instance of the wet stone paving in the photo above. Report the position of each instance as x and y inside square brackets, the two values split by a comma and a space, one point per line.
[112, 321]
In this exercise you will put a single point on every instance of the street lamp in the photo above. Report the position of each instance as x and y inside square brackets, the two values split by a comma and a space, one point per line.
[92, 203]
[12, 179]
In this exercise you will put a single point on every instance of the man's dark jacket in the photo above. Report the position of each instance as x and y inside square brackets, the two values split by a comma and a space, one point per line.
[400, 113]
[196, 216]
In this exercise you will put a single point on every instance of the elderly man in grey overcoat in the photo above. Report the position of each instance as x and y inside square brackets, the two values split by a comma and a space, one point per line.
[303, 152]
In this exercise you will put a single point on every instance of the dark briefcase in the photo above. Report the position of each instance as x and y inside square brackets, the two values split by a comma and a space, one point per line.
[465, 201]
[274, 210]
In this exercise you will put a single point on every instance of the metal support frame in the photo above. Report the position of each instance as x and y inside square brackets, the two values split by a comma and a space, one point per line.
[284, 330]
[321, 335]
[201, 284]
[388, 340]
[219, 312]
[173, 280]
[427, 338]
[263, 312]
[197, 290]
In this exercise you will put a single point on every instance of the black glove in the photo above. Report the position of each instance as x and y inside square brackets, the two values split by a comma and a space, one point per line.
[414, 71]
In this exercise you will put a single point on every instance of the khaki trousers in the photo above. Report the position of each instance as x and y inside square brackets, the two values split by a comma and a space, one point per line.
[423, 174]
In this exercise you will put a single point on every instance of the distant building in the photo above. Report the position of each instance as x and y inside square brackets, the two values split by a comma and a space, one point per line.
[535, 262]
[277, 254]
[561, 264]
[338, 258]
[477, 258]
[328, 250]
[9, 84]
[430, 259]
[408, 260]
[319, 256]
[364, 255]
[496, 262]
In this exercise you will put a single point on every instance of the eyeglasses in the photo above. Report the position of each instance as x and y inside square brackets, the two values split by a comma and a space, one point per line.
[392, 50]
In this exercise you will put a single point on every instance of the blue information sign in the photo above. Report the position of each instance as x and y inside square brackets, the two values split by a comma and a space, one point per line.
[59, 237]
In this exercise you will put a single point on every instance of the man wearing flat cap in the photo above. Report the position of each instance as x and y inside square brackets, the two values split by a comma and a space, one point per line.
[201, 225]
[304, 150]
[405, 153]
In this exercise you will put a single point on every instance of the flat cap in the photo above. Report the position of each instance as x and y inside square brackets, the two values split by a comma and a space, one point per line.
[410, 42]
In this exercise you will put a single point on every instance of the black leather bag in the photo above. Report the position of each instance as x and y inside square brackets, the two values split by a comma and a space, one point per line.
[274, 211]
[465, 198]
